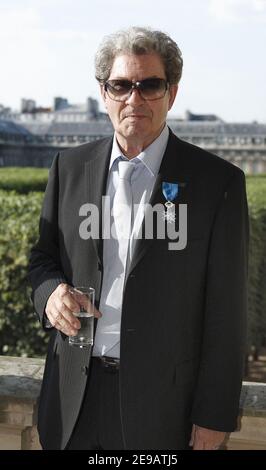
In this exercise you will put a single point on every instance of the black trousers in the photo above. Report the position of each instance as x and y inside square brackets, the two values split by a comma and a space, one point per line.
[99, 423]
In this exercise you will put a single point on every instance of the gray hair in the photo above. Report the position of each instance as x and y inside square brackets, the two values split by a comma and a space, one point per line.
[139, 41]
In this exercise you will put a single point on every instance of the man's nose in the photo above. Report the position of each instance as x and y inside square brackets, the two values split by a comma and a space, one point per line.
[135, 97]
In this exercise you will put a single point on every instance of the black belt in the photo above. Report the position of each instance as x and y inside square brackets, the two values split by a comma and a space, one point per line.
[110, 363]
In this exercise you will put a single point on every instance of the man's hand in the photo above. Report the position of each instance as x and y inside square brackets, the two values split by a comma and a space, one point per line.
[60, 309]
[206, 439]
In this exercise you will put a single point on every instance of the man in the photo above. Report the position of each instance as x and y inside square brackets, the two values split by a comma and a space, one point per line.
[165, 370]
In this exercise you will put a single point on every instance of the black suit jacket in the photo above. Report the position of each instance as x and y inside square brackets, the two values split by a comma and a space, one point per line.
[183, 317]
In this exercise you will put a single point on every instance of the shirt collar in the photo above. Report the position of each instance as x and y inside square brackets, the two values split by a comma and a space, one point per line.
[151, 157]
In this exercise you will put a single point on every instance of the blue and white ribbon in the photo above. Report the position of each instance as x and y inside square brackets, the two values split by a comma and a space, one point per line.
[170, 192]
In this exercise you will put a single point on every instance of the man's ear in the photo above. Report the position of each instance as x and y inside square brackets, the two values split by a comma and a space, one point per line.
[172, 95]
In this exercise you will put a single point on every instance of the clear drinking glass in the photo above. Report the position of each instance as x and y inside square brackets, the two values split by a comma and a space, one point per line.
[85, 297]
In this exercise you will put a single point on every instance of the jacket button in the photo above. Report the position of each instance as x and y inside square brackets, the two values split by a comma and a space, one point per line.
[84, 370]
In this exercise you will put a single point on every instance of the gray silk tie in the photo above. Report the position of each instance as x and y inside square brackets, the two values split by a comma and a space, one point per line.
[122, 206]
[108, 328]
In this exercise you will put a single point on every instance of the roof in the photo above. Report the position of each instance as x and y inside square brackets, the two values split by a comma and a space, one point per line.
[9, 127]
[70, 128]
[217, 128]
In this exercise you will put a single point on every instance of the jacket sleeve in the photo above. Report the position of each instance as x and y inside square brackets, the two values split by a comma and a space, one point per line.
[216, 399]
[45, 271]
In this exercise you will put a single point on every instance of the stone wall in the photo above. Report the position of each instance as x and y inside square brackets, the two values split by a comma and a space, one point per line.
[20, 381]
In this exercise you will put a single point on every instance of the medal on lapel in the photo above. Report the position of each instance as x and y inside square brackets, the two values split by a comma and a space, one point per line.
[170, 192]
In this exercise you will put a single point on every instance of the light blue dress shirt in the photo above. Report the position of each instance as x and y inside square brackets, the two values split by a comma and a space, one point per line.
[142, 181]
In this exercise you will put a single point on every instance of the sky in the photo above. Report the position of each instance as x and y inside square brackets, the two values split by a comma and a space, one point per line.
[47, 49]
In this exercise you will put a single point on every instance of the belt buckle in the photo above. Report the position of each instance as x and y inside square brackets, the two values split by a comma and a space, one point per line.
[110, 363]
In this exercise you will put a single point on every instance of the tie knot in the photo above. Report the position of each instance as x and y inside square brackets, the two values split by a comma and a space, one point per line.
[125, 170]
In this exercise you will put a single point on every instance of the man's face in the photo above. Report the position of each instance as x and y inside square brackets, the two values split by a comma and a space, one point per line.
[137, 118]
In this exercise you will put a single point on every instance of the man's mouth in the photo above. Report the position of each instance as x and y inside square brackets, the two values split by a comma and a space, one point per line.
[136, 116]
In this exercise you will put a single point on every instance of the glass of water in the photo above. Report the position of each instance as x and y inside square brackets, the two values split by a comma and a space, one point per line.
[85, 297]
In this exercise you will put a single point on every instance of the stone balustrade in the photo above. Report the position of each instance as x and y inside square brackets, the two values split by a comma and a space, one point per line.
[20, 381]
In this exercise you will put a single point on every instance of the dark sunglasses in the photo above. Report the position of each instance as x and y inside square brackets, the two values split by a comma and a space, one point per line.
[149, 88]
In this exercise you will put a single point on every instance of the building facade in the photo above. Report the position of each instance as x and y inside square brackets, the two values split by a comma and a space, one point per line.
[33, 137]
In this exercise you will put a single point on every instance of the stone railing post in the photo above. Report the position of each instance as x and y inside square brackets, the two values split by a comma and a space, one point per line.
[20, 382]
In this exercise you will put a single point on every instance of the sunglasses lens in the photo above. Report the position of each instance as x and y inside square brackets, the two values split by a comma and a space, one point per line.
[153, 88]
[118, 89]
[149, 89]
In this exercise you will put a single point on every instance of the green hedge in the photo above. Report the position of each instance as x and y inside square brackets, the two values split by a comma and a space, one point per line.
[256, 189]
[23, 180]
[20, 332]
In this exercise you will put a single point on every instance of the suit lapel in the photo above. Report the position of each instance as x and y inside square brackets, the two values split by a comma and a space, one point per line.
[173, 169]
[96, 174]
